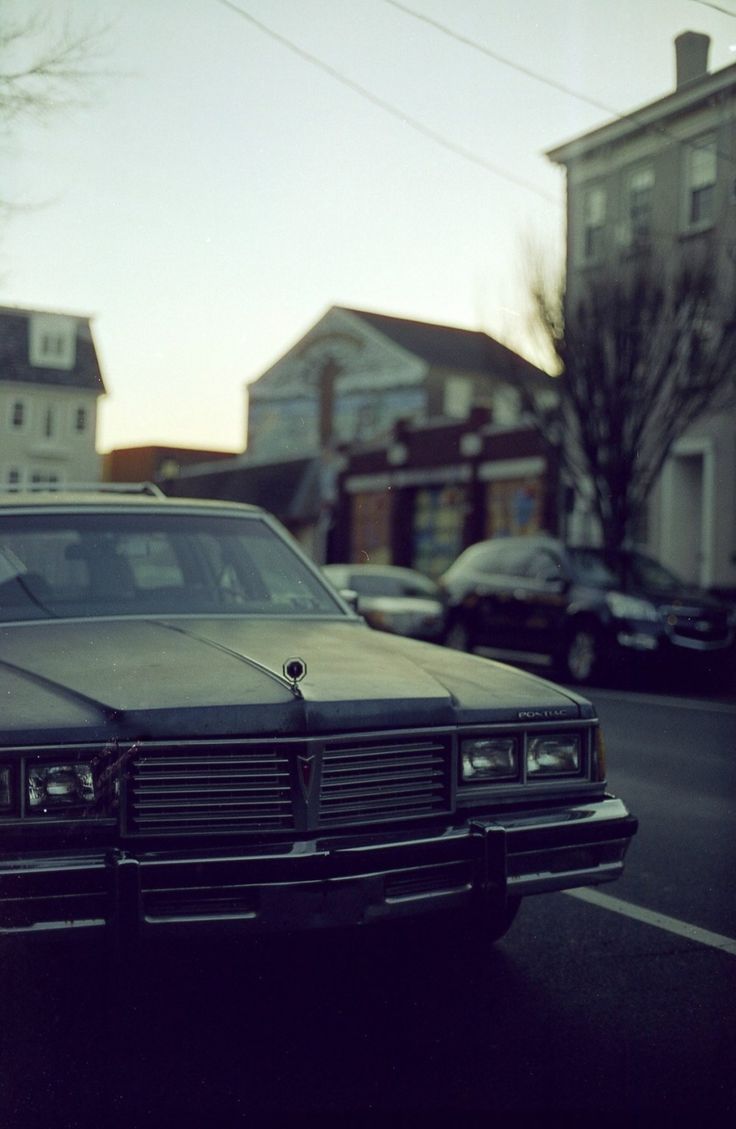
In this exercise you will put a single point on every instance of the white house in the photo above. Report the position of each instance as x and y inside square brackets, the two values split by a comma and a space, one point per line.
[50, 382]
[355, 373]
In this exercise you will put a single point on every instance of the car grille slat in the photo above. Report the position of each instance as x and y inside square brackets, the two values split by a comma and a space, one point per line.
[384, 780]
[245, 788]
[241, 790]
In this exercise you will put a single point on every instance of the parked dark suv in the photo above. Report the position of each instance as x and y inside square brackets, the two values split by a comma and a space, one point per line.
[582, 609]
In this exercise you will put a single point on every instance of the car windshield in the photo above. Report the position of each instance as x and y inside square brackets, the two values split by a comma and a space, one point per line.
[624, 570]
[90, 564]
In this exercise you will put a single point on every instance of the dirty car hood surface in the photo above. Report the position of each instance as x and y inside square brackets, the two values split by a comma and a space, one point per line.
[219, 677]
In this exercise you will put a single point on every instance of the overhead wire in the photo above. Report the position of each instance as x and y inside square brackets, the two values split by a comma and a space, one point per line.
[715, 7]
[633, 116]
[428, 131]
[388, 107]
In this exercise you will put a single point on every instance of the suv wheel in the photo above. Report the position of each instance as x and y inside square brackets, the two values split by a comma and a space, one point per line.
[582, 654]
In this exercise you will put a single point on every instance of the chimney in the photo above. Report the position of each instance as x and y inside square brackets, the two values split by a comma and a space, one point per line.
[691, 57]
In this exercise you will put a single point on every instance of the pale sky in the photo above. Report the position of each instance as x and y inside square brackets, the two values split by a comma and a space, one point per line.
[220, 192]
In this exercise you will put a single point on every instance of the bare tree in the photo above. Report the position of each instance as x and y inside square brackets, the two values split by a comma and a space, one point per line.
[46, 67]
[640, 358]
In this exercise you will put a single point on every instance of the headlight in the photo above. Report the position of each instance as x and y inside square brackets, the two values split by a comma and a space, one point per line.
[66, 790]
[553, 755]
[631, 607]
[489, 758]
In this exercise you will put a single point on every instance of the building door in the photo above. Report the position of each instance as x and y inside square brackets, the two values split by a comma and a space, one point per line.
[686, 517]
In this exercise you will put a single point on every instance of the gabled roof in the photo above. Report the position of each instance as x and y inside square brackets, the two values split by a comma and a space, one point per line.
[15, 363]
[447, 346]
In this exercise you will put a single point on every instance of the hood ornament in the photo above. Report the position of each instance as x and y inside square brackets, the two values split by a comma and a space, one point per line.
[294, 671]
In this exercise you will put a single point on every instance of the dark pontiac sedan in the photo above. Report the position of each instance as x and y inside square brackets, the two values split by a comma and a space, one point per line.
[198, 734]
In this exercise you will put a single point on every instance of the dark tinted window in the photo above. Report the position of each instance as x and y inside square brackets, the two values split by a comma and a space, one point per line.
[623, 570]
[544, 565]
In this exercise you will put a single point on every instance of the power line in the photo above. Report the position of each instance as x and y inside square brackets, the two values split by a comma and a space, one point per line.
[715, 7]
[498, 58]
[388, 107]
[633, 116]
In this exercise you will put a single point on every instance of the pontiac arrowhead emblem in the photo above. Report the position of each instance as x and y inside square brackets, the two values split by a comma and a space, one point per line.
[305, 768]
[294, 670]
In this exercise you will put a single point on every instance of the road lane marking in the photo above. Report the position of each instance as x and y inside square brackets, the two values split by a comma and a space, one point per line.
[660, 920]
[661, 700]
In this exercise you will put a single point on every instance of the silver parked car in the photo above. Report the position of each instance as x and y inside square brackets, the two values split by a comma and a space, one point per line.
[395, 599]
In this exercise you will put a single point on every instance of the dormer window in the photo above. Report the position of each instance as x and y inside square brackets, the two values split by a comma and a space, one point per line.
[52, 341]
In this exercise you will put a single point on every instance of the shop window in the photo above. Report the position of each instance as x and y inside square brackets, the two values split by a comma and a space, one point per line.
[371, 528]
[439, 522]
[514, 507]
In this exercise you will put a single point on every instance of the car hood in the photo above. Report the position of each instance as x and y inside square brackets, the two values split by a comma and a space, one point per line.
[220, 677]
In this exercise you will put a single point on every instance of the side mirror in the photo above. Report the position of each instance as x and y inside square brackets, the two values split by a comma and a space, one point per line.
[350, 596]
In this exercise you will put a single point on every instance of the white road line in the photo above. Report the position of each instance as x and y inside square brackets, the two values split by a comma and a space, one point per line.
[660, 920]
[661, 700]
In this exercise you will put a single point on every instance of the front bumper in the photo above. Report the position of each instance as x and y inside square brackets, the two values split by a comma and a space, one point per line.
[330, 881]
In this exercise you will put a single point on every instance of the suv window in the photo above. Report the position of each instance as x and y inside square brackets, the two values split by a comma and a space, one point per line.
[544, 565]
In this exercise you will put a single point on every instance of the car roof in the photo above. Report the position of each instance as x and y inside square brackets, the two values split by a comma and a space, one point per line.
[51, 500]
[374, 569]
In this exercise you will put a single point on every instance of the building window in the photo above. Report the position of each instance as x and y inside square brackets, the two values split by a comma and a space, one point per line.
[514, 507]
[371, 528]
[18, 414]
[52, 341]
[44, 478]
[49, 423]
[13, 478]
[640, 195]
[594, 222]
[80, 420]
[701, 181]
[458, 397]
[53, 345]
[438, 523]
[506, 407]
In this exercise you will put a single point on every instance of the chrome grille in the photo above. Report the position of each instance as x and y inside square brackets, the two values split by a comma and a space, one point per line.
[210, 789]
[384, 779]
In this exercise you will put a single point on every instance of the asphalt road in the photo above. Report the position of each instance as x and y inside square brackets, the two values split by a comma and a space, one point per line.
[582, 1009]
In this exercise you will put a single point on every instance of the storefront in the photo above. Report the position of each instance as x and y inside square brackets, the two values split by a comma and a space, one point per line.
[430, 492]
